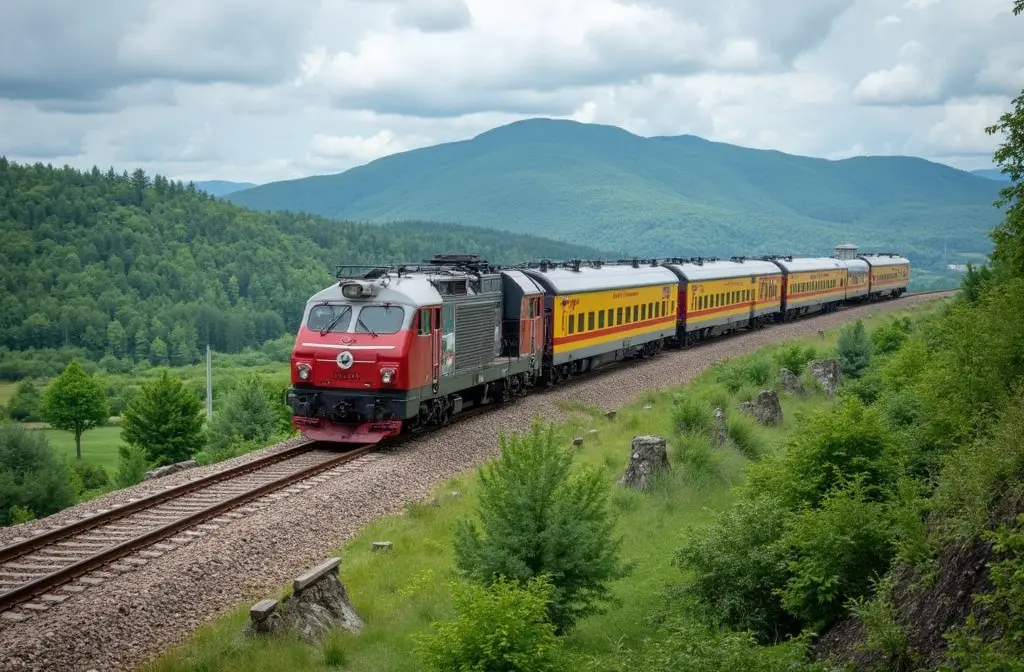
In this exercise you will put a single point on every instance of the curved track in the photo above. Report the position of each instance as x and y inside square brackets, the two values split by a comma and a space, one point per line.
[87, 549]
[70, 558]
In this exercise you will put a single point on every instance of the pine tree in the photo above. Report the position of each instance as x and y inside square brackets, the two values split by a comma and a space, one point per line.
[540, 518]
[165, 419]
[75, 402]
[854, 350]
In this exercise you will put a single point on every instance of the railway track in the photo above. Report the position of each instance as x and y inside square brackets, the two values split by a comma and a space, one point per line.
[53, 565]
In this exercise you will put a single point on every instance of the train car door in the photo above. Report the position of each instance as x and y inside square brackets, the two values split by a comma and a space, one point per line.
[526, 312]
[434, 315]
[537, 330]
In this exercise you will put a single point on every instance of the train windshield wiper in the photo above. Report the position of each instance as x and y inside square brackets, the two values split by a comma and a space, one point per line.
[359, 320]
[337, 318]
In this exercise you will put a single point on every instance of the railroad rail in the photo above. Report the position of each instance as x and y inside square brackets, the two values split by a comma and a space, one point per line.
[31, 567]
[85, 549]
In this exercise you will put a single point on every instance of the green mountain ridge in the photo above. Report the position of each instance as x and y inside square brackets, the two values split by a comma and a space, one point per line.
[663, 195]
[223, 187]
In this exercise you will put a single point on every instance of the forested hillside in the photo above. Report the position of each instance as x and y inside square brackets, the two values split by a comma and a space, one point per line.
[133, 268]
[660, 196]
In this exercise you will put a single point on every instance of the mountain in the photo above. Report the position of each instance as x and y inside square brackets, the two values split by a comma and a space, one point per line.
[678, 195]
[120, 269]
[223, 187]
[991, 174]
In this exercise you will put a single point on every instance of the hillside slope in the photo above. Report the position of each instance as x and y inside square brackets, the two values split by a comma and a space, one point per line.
[136, 268]
[991, 174]
[223, 187]
[663, 195]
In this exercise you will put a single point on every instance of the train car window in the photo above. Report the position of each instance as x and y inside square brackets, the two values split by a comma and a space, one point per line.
[600, 319]
[618, 316]
[379, 319]
[663, 306]
[629, 316]
[572, 324]
[611, 316]
[643, 311]
[579, 323]
[590, 321]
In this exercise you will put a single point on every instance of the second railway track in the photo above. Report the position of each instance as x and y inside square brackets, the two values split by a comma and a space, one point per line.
[49, 567]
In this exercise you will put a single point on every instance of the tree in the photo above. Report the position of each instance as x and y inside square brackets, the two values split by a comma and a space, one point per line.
[24, 404]
[165, 419]
[247, 414]
[75, 402]
[854, 349]
[540, 518]
[32, 479]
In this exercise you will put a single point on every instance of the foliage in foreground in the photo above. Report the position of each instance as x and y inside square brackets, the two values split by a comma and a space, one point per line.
[540, 517]
[33, 482]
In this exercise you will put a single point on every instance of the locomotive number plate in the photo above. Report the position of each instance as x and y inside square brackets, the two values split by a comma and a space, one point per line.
[339, 375]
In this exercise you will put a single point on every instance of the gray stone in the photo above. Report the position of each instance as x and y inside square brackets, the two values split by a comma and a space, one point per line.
[791, 383]
[171, 469]
[610, 415]
[577, 441]
[765, 409]
[721, 429]
[647, 457]
[264, 618]
[379, 546]
[828, 373]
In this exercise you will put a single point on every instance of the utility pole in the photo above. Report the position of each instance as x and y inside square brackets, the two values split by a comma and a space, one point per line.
[209, 384]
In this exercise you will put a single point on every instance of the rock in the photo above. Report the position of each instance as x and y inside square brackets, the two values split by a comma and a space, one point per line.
[577, 441]
[610, 415]
[791, 383]
[592, 433]
[765, 409]
[828, 373]
[647, 457]
[721, 429]
[171, 469]
[318, 604]
[379, 546]
[648, 407]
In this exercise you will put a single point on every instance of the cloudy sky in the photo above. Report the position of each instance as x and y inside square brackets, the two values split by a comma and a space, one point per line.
[260, 90]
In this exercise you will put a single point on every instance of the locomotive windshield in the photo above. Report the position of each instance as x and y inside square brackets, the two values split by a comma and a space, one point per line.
[329, 317]
[337, 318]
[379, 319]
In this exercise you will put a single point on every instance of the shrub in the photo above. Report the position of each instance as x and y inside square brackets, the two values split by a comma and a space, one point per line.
[538, 517]
[794, 357]
[31, 477]
[131, 466]
[853, 349]
[24, 403]
[890, 337]
[756, 370]
[91, 476]
[500, 627]
[690, 414]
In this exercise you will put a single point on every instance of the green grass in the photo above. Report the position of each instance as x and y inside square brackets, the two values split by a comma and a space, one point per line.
[6, 392]
[98, 445]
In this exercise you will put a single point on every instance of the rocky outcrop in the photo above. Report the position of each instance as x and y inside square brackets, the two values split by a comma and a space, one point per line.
[318, 604]
[169, 469]
[791, 383]
[828, 374]
[647, 457]
[720, 430]
[766, 409]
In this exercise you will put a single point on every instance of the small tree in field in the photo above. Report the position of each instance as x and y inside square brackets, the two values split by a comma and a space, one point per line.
[165, 419]
[75, 402]
[539, 518]
[854, 349]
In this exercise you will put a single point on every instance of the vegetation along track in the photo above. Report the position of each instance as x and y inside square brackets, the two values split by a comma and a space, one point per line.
[87, 549]
[94, 549]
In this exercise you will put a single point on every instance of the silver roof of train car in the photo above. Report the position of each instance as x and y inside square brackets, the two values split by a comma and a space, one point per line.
[723, 269]
[525, 282]
[884, 259]
[414, 290]
[590, 279]
[854, 264]
[805, 264]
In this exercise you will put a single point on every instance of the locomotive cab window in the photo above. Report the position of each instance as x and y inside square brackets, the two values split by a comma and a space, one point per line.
[336, 316]
[379, 319]
[424, 329]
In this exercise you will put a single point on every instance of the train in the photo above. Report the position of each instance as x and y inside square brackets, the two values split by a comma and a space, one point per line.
[394, 349]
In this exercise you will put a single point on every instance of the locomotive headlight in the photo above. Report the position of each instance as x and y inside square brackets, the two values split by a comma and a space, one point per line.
[387, 375]
[303, 370]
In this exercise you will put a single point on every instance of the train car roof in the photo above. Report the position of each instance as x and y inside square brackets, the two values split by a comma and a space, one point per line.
[805, 264]
[852, 264]
[722, 269]
[590, 279]
[525, 282]
[413, 290]
[884, 259]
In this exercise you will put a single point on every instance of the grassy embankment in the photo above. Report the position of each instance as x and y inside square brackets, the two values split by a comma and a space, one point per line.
[401, 593]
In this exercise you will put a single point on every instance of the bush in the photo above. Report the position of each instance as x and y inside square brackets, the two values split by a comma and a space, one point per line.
[690, 414]
[503, 626]
[91, 476]
[31, 477]
[24, 403]
[131, 466]
[754, 370]
[890, 337]
[539, 517]
[854, 349]
[794, 357]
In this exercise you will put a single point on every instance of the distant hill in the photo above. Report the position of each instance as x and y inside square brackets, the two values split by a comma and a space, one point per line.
[223, 187]
[991, 174]
[663, 195]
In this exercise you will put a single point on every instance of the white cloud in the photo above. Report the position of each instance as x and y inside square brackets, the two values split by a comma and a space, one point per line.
[261, 90]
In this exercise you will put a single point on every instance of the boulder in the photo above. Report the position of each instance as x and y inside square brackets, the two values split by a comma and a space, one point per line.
[647, 457]
[828, 373]
[168, 469]
[720, 431]
[766, 409]
[791, 383]
[318, 604]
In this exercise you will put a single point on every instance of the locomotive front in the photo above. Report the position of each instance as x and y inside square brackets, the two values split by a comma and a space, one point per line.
[356, 360]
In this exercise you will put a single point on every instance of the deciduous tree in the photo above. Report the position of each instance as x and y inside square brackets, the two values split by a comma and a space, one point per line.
[75, 402]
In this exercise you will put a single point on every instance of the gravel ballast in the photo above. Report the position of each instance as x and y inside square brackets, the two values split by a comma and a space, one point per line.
[134, 617]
